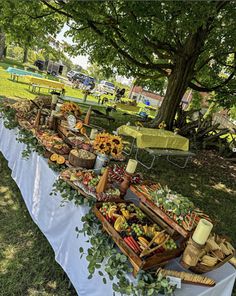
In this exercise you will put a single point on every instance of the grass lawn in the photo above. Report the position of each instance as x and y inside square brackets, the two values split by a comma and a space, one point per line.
[27, 264]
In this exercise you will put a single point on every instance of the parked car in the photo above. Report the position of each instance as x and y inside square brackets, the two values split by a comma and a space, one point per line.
[70, 74]
[106, 87]
[79, 77]
[53, 68]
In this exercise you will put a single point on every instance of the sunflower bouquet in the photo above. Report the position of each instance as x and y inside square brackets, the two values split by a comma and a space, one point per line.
[108, 144]
[70, 107]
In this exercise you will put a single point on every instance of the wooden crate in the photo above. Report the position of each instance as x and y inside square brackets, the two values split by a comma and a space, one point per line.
[155, 209]
[80, 191]
[138, 263]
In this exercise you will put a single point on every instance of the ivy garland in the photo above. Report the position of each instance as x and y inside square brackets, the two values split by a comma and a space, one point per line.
[31, 142]
[70, 194]
[104, 251]
[9, 116]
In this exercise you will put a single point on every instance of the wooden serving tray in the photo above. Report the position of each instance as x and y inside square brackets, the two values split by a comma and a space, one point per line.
[85, 194]
[138, 263]
[154, 208]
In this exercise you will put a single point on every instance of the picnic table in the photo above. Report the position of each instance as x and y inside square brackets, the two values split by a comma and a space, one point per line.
[36, 82]
[157, 142]
[154, 138]
[16, 73]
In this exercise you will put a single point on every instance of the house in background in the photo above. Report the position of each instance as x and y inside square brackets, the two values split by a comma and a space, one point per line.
[139, 94]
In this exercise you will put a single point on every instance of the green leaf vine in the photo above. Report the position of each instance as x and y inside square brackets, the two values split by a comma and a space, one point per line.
[31, 142]
[69, 194]
[9, 116]
[103, 251]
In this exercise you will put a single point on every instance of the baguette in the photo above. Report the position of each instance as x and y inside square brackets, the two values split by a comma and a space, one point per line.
[189, 277]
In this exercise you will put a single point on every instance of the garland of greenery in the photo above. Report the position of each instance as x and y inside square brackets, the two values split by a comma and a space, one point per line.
[31, 142]
[103, 251]
[70, 194]
[9, 116]
[24, 136]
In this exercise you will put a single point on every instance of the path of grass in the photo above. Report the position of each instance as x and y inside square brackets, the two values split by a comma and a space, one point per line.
[27, 264]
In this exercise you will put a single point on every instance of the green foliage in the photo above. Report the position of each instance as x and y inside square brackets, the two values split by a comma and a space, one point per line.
[31, 142]
[233, 113]
[28, 23]
[99, 72]
[69, 194]
[9, 116]
[154, 41]
[196, 102]
[116, 265]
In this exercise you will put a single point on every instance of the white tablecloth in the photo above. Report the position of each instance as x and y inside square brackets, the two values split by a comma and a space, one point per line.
[35, 180]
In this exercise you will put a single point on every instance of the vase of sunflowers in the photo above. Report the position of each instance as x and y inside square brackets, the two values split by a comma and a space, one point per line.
[106, 146]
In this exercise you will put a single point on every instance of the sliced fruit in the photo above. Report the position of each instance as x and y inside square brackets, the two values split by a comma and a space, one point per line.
[83, 131]
[57, 146]
[125, 213]
[119, 223]
[145, 228]
[61, 159]
[143, 241]
[111, 211]
[160, 238]
[79, 124]
[54, 157]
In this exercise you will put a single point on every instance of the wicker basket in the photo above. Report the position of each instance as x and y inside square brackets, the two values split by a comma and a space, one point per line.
[200, 268]
[76, 161]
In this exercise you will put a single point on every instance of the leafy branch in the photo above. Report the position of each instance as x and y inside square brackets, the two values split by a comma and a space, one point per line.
[69, 194]
[116, 265]
[9, 116]
[31, 142]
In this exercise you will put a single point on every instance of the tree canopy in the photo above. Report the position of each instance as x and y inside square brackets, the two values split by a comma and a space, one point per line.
[29, 23]
[191, 45]
[160, 42]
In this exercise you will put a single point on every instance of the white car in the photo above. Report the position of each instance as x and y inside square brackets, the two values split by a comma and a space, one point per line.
[106, 87]
[70, 74]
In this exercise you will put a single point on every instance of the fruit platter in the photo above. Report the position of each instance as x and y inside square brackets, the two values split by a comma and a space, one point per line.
[216, 252]
[145, 242]
[177, 210]
[86, 181]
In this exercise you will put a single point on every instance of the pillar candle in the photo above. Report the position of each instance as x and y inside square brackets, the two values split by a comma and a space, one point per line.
[54, 99]
[131, 166]
[202, 232]
[93, 133]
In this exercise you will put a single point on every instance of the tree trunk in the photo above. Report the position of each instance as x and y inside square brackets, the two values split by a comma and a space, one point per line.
[177, 86]
[25, 56]
[5, 52]
[180, 77]
[2, 44]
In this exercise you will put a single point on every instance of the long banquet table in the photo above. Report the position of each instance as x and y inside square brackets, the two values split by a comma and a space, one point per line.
[35, 180]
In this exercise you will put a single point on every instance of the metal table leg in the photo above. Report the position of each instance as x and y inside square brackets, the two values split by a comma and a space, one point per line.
[176, 164]
[143, 164]
[131, 148]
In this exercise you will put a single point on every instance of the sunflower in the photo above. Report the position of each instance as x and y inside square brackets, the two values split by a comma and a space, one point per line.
[108, 144]
[162, 125]
[116, 140]
[115, 152]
